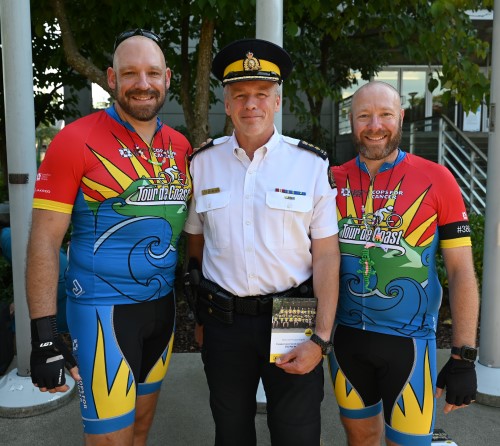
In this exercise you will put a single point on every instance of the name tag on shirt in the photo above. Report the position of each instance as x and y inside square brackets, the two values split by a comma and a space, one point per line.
[289, 202]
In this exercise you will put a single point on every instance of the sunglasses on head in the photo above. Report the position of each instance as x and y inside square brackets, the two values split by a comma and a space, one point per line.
[137, 32]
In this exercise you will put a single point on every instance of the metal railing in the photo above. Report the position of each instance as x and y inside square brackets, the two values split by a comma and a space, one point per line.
[456, 151]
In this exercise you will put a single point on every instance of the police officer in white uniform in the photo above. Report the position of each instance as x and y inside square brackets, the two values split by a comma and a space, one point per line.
[262, 224]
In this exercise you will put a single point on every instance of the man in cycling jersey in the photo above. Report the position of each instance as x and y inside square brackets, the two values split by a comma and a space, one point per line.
[104, 175]
[384, 360]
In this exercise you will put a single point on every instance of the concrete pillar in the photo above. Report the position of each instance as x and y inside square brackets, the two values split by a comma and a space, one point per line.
[488, 366]
[18, 396]
[269, 27]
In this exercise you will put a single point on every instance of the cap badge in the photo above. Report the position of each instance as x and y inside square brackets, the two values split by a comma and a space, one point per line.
[251, 63]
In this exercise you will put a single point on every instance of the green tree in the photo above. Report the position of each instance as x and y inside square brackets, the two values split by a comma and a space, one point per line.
[81, 43]
[209, 23]
[51, 72]
[329, 39]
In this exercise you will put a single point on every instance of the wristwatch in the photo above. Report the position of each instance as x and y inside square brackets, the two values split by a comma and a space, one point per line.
[326, 346]
[465, 352]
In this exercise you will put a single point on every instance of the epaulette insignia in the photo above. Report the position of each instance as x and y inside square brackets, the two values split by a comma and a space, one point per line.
[201, 149]
[331, 178]
[312, 148]
[215, 142]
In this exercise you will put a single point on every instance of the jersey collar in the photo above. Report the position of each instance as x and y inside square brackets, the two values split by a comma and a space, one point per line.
[111, 111]
[386, 166]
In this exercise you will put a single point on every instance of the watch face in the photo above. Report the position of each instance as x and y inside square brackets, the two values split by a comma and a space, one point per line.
[469, 353]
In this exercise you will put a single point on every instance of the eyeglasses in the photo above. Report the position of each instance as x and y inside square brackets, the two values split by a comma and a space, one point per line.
[137, 32]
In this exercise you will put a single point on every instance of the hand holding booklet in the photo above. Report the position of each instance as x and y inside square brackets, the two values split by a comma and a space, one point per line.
[293, 322]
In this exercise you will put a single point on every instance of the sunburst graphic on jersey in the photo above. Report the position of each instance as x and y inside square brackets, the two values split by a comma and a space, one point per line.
[414, 411]
[122, 178]
[414, 235]
[121, 391]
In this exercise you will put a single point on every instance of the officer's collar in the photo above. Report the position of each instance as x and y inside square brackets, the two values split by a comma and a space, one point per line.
[271, 144]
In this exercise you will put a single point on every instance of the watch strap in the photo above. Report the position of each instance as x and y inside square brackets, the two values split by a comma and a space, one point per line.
[326, 346]
[465, 352]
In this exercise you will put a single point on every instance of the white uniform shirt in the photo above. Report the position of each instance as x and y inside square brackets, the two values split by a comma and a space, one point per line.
[257, 217]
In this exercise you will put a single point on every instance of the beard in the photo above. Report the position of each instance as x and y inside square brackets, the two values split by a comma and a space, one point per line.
[378, 153]
[140, 112]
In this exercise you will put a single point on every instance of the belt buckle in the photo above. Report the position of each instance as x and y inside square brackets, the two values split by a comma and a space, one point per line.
[249, 306]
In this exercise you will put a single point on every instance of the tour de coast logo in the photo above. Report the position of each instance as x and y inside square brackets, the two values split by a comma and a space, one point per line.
[384, 218]
[150, 177]
[168, 184]
[171, 185]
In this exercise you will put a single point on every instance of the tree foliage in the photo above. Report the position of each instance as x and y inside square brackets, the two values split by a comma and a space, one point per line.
[207, 24]
[328, 40]
[331, 39]
[81, 42]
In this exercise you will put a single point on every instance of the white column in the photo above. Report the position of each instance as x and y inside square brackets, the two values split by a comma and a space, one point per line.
[488, 366]
[269, 27]
[21, 154]
[18, 396]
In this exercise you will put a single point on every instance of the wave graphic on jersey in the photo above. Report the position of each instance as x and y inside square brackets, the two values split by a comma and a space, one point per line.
[138, 215]
[147, 261]
[397, 239]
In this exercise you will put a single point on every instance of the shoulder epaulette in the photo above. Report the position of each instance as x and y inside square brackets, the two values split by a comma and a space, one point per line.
[208, 145]
[305, 145]
[314, 149]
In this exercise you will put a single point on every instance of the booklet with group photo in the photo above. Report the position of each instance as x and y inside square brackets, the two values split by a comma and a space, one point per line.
[293, 322]
[441, 438]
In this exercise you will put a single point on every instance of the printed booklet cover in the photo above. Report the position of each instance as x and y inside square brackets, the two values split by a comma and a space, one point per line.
[293, 322]
[441, 438]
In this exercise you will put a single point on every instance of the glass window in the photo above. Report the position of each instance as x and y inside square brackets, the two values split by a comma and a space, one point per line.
[100, 97]
[438, 107]
[389, 77]
[413, 94]
[346, 92]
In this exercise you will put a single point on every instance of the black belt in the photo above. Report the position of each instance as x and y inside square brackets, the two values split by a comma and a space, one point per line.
[221, 304]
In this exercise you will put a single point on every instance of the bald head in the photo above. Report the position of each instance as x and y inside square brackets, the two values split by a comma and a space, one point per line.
[378, 89]
[376, 121]
[136, 49]
[139, 79]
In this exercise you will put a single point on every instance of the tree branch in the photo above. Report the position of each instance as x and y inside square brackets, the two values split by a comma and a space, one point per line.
[75, 60]
[185, 81]
[202, 101]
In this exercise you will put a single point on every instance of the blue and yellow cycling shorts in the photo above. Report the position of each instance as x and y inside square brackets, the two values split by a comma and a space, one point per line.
[122, 351]
[374, 372]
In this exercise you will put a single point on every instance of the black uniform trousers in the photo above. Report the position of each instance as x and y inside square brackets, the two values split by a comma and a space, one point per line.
[235, 358]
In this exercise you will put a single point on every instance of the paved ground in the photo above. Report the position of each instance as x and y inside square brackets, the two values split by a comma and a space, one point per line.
[183, 417]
